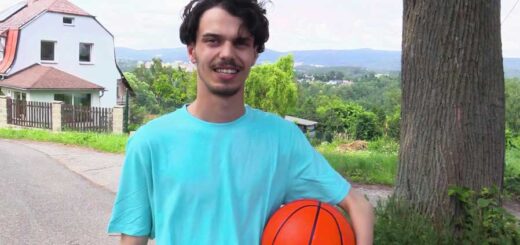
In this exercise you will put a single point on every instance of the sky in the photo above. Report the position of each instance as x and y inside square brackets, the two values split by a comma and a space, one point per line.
[294, 24]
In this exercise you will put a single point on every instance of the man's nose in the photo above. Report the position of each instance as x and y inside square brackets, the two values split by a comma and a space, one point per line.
[227, 51]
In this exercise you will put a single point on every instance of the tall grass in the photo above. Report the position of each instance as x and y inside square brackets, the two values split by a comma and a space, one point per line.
[375, 165]
[102, 142]
[512, 171]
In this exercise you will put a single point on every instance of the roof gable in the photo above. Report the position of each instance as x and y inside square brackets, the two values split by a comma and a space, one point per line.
[48, 78]
[34, 8]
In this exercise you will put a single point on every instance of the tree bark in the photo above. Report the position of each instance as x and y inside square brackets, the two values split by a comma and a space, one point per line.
[452, 126]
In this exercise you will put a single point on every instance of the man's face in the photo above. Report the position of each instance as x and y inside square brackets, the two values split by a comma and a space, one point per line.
[224, 52]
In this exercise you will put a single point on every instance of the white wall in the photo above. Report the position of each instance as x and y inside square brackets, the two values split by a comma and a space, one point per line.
[49, 26]
[48, 96]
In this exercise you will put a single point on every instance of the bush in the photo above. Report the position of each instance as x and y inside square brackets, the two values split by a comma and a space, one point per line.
[484, 221]
[393, 129]
[512, 171]
[367, 127]
[398, 223]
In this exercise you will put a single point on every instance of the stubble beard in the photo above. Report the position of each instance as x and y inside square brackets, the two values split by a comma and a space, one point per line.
[224, 92]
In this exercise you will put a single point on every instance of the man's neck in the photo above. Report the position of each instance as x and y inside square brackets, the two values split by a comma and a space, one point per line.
[217, 109]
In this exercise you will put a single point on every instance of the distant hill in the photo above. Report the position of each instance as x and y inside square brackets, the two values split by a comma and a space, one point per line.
[371, 59]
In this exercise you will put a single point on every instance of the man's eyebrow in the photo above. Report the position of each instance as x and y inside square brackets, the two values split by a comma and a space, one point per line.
[244, 38]
[210, 35]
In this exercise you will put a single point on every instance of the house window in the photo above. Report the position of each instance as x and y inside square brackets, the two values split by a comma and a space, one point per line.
[74, 99]
[65, 98]
[2, 48]
[82, 100]
[85, 52]
[20, 96]
[69, 21]
[47, 50]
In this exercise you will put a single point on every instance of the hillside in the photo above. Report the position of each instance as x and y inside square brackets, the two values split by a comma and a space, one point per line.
[370, 59]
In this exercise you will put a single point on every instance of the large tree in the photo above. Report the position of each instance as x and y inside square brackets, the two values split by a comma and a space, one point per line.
[452, 128]
[272, 87]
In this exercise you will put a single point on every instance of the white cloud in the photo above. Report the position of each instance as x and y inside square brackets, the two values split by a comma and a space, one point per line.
[294, 24]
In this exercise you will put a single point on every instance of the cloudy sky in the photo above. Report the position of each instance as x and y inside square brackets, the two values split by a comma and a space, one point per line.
[294, 24]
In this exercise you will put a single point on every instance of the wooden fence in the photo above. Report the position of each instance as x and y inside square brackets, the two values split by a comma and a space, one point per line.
[78, 118]
[29, 113]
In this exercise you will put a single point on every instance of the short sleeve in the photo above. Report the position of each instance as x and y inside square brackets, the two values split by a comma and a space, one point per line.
[312, 177]
[132, 213]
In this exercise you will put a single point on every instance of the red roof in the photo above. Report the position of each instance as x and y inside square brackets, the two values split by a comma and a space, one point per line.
[46, 78]
[36, 7]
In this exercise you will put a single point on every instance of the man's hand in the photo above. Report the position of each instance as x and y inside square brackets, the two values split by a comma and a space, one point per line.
[361, 214]
[133, 240]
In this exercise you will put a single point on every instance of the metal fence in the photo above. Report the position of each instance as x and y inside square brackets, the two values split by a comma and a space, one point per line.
[80, 118]
[29, 113]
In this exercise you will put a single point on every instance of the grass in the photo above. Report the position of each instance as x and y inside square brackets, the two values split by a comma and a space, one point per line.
[512, 171]
[376, 165]
[364, 167]
[101, 142]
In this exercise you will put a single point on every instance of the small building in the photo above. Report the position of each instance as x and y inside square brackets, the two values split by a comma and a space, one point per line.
[53, 50]
[307, 126]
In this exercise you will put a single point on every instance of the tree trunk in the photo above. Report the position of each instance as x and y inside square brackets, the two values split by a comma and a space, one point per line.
[452, 126]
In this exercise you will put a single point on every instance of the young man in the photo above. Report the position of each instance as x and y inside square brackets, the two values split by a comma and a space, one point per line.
[213, 171]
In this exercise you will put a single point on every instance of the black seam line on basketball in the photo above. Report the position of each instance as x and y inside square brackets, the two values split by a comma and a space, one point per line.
[287, 219]
[337, 225]
[315, 223]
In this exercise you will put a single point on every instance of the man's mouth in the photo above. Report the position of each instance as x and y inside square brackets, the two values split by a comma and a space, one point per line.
[226, 70]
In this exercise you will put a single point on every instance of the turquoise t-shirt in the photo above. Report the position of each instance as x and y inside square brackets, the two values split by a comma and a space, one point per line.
[188, 181]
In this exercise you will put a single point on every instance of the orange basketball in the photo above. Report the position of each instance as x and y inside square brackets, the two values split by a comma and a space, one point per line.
[308, 222]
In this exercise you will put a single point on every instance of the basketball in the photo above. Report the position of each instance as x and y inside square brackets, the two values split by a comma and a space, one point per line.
[308, 222]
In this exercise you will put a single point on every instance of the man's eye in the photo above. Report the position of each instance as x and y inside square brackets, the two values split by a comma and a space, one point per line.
[245, 43]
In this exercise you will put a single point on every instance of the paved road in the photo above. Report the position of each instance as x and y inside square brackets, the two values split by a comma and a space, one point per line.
[43, 202]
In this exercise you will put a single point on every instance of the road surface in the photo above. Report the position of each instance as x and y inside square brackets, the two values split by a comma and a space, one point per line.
[43, 202]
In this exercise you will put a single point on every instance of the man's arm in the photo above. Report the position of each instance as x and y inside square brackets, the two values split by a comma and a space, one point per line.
[361, 214]
[133, 240]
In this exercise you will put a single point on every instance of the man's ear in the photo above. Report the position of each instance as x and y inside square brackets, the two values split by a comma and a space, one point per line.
[191, 53]
[256, 57]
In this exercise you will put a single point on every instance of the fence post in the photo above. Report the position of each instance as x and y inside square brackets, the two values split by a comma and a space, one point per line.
[56, 115]
[117, 120]
[3, 111]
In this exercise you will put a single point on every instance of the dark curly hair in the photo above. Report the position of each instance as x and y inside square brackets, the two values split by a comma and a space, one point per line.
[251, 12]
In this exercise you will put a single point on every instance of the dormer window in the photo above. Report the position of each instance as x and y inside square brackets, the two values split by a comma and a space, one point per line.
[2, 48]
[68, 21]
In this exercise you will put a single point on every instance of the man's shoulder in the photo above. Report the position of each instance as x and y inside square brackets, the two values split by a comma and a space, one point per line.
[159, 125]
[270, 119]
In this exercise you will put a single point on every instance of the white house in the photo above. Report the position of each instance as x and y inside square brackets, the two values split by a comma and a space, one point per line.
[53, 50]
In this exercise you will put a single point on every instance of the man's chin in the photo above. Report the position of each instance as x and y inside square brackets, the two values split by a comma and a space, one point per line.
[224, 92]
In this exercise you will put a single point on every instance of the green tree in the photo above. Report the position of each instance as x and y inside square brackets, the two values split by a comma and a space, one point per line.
[393, 124]
[513, 105]
[367, 126]
[337, 117]
[142, 103]
[272, 87]
[159, 89]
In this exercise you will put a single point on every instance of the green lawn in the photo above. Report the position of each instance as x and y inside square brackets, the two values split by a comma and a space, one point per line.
[102, 142]
[375, 165]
